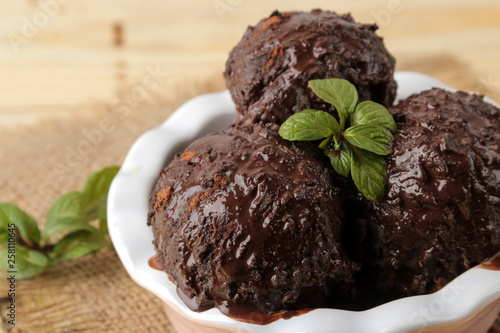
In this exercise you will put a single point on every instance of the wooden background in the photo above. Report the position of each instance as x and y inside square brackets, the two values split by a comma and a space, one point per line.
[55, 54]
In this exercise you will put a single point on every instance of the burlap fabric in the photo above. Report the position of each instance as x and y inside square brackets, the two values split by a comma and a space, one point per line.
[37, 164]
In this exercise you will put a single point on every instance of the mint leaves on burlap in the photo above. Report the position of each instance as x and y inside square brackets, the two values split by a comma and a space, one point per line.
[77, 219]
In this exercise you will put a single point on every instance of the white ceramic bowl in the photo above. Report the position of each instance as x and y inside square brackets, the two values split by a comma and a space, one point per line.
[468, 304]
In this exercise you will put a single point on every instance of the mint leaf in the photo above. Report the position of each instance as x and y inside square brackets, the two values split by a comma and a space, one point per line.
[340, 93]
[309, 125]
[355, 150]
[95, 195]
[340, 159]
[80, 243]
[373, 138]
[4, 236]
[66, 214]
[71, 213]
[372, 113]
[368, 171]
[24, 224]
[27, 262]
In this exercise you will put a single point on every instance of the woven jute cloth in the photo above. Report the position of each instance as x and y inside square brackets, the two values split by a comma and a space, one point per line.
[38, 164]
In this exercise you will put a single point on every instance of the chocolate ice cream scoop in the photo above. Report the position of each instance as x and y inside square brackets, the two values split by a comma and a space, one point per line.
[246, 222]
[268, 71]
[441, 214]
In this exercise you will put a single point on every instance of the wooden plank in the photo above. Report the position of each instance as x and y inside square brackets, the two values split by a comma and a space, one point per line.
[73, 57]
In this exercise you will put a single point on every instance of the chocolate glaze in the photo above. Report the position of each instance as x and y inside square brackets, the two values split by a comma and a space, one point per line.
[244, 312]
[492, 264]
[441, 213]
[249, 223]
[248, 315]
[268, 71]
[153, 263]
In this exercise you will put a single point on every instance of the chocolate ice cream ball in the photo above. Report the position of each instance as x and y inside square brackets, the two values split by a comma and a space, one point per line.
[246, 222]
[268, 71]
[441, 214]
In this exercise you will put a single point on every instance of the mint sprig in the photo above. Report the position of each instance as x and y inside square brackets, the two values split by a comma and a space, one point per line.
[356, 143]
[77, 219]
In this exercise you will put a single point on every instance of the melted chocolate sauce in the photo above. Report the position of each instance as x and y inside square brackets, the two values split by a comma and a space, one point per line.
[153, 263]
[268, 71]
[440, 215]
[493, 264]
[241, 312]
[252, 316]
[222, 237]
